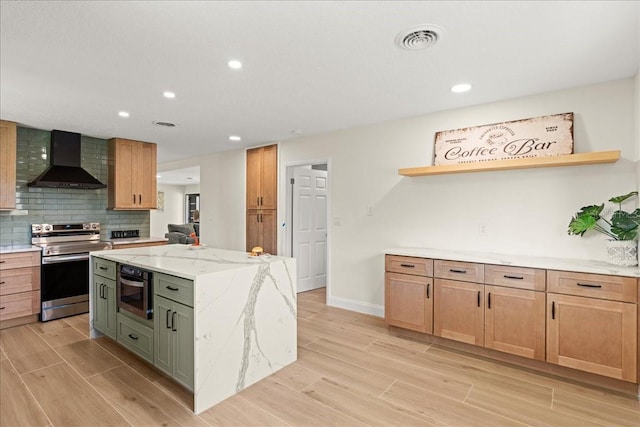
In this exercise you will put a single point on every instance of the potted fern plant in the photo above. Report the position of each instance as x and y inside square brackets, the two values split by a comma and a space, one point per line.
[621, 229]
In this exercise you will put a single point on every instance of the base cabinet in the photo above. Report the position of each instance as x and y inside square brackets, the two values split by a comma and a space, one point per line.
[592, 335]
[262, 230]
[19, 288]
[409, 302]
[105, 306]
[458, 312]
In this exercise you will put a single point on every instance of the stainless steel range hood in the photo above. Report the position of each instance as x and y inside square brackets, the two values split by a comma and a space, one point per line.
[65, 170]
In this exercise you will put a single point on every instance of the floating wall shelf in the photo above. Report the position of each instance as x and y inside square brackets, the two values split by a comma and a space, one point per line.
[529, 162]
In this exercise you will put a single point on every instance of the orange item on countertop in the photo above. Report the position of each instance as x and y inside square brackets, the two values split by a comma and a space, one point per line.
[194, 237]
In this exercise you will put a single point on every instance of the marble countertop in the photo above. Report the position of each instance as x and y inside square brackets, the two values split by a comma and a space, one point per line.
[128, 241]
[566, 264]
[184, 261]
[9, 249]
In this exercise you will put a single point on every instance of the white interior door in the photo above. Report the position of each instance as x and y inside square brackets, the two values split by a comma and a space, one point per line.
[310, 227]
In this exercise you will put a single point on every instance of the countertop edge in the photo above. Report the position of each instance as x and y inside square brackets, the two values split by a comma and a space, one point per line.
[548, 263]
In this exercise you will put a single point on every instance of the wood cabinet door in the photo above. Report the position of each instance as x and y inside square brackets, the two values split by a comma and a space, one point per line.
[8, 141]
[269, 229]
[254, 178]
[514, 321]
[409, 302]
[592, 335]
[254, 235]
[458, 311]
[144, 170]
[269, 178]
[120, 181]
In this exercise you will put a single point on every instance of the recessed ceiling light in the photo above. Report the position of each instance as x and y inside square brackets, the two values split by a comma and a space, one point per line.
[297, 131]
[158, 176]
[235, 64]
[235, 138]
[462, 87]
[169, 95]
[123, 114]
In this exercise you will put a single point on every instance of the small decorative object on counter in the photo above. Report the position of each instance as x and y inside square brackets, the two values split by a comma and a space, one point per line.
[196, 241]
[622, 228]
[256, 251]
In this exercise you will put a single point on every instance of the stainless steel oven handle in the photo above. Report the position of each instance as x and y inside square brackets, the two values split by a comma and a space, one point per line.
[57, 259]
[132, 283]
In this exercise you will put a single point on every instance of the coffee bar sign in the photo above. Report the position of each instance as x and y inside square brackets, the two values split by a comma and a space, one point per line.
[536, 137]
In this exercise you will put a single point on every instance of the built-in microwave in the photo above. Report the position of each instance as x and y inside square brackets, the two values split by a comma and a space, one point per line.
[135, 291]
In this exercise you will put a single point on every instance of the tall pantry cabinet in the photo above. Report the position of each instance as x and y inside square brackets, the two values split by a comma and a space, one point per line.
[262, 188]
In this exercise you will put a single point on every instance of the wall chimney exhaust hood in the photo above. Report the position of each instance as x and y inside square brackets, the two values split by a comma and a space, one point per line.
[65, 170]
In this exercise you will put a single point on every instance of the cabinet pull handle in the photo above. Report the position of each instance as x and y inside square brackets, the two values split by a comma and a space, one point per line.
[133, 337]
[506, 276]
[103, 268]
[455, 270]
[139, 199]
[173, 321]
[2, 308]
[478, 298]
[587, 285]
[167, 322]
[489, 300]
[2, 261]
[428, 290]
[553, 309]
[261, 201]
[171, 288]
[134, 199]
[407, 265]
[3, 282]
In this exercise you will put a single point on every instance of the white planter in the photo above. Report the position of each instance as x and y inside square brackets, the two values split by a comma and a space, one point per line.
[622, 252]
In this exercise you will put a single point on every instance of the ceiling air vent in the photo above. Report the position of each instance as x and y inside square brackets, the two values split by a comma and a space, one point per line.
[418, 38]
[165, 124]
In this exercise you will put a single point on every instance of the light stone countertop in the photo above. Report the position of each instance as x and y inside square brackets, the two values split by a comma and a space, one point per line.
[9, 249]
[548, 263]
[186, 261]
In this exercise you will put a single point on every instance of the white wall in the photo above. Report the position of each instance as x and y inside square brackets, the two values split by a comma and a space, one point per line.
[523, 211]
[173, 212]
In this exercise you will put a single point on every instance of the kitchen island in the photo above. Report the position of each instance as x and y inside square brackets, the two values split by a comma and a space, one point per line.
[241, 310]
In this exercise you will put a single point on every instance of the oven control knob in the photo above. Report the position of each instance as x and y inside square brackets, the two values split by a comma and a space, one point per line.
[86, 226]
[47, 227]
[94, 226]
[37, 227]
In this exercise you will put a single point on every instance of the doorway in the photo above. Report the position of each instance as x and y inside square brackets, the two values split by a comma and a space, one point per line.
[307, 213]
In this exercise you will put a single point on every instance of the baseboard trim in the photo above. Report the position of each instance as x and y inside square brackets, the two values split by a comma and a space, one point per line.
[358, 306]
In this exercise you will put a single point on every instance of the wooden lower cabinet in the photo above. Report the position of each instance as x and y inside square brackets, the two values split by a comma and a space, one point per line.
[409, 302]
[514, 321]
[19, 288]
[593, 335]
[262, 230]
[458, 311]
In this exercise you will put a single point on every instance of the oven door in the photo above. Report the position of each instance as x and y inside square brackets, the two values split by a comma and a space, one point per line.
[133, 296]
[64, 286]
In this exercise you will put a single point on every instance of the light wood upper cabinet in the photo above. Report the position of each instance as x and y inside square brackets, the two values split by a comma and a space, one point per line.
[262, 177]
[132, 175]
[8, 142]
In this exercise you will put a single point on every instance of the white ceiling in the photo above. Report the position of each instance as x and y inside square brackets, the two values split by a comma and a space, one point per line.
[186, 176]
[316, 66]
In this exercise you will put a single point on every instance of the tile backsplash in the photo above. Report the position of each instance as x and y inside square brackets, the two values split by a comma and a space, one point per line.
[61, 205]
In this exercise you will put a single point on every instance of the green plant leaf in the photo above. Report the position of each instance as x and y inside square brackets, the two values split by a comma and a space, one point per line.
[581, 222]
[625, 225]
[620, 199]
[592, 210]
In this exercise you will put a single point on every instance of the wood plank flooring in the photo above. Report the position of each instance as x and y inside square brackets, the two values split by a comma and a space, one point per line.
[350, 372]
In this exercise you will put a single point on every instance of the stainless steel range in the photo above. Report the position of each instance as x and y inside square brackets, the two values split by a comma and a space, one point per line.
[64, 285]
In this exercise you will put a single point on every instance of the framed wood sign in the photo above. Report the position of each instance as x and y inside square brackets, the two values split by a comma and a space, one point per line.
[535, 137]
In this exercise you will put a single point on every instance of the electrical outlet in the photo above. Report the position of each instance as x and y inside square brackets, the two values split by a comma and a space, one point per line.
[369, 210]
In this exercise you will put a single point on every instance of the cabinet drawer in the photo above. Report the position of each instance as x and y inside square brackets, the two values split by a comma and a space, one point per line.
[19, 280]
[515, 277]
[136, 337]
[19, 260]
[174, 288]
[104, 268]
[614, 288]
[18, 305]
[409, 265]
[457, 270]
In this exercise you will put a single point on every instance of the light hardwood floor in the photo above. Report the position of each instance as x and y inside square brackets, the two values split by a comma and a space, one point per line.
[350, 372]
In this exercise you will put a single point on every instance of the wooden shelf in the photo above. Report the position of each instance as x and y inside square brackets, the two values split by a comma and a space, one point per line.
[529, 162]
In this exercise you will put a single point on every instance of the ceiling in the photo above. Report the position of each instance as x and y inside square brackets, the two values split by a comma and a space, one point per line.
[308, 67]
[185, 176]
